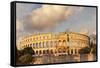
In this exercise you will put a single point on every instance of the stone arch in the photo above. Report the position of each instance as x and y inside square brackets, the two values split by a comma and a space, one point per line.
[64, 49]
[64, 41]
[71, 51]
[68, 52]
[75, 51]
[36, 52]
[26, 45]
[40, 52]
[51, 51]
[43, 51]
[59, 41]
[47, 51]
[60, 50]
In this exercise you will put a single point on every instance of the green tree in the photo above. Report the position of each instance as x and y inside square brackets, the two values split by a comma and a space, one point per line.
[25, 56]
[94, 51]
[25, 59]
[85, 50]
[29, 50]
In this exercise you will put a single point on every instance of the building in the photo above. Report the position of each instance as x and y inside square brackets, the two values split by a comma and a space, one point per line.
[56, 44]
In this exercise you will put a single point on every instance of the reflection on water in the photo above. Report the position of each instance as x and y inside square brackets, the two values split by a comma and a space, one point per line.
[63, 58]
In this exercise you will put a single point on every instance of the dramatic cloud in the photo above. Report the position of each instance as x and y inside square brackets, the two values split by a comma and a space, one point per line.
[48, 16]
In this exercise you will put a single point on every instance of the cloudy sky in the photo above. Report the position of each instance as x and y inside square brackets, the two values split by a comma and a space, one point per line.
[39, 18]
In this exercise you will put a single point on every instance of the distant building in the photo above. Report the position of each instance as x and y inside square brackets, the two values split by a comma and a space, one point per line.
[56, 44]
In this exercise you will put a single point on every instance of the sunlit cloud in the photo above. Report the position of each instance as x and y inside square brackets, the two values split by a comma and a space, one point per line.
[48, 16]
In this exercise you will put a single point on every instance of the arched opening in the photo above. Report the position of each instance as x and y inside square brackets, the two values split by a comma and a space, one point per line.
[43, 51]
[47, 51]
[71, 51]
[27, 45]
[37, 52]
[60, 50]
[68, 52]
[64, 49]
[75, 51]
[64, 41]
[59, 41]
[40, 52]
[51, 52]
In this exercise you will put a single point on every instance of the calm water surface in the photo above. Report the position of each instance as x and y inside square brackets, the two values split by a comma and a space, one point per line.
[63, 58]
